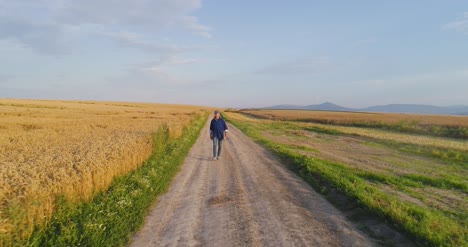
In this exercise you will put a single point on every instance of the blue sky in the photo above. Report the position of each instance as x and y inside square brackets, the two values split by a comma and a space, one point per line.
[236, 53]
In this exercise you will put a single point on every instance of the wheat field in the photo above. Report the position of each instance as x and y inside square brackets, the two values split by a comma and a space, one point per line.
[73, 149]
[360, 117]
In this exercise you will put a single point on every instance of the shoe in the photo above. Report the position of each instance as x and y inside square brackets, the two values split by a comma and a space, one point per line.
[214, 158]
[217, 158]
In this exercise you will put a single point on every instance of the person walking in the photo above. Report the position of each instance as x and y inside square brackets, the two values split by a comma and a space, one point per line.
[218, 132]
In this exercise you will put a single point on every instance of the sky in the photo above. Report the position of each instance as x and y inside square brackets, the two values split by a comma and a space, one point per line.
[236, 53]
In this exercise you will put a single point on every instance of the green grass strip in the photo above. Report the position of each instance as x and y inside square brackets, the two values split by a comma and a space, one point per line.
[113, 216]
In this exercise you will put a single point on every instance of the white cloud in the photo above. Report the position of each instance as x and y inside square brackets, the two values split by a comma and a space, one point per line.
[155, 74]
[152, 15]
[191, 23]
[44, 25]
[460, 25]
[43, 38]
[165, 61]
[130, 39]
[29, 24]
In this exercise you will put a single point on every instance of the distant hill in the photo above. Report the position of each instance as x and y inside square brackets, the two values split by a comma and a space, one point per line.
[327, 106]
[391, 108]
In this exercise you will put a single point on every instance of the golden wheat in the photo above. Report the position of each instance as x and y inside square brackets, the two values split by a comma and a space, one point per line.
[71, 148]
[360, 117]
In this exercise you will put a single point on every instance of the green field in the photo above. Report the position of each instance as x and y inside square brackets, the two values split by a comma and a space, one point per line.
[416, 182]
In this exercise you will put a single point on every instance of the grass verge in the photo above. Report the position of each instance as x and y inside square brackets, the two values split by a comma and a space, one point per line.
[426, 226]
[113, 216]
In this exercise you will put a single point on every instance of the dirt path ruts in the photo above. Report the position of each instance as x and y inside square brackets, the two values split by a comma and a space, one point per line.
[245, 199]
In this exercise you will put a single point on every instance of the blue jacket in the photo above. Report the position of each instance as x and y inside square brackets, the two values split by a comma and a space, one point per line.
[217, 128]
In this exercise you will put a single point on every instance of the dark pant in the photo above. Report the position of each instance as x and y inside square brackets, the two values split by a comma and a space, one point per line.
[217, 146]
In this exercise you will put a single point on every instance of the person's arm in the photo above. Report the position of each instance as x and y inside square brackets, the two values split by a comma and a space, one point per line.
[225, 129]
[211, 130]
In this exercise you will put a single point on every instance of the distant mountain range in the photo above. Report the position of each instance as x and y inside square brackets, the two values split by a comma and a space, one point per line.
[392, 108]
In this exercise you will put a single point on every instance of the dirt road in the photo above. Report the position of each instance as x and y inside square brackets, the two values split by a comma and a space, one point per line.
[247, 198]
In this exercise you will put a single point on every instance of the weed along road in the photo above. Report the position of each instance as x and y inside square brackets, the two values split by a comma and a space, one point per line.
[247, 198]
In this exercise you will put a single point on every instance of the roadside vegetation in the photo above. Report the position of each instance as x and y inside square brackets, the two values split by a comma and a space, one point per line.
[71, 170]
[389, 174]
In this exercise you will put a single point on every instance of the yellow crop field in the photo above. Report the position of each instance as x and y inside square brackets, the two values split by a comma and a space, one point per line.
[397, 137]
[433, 125]
[360, 117]
[72, 148]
